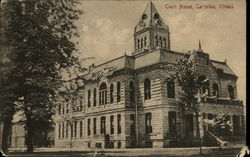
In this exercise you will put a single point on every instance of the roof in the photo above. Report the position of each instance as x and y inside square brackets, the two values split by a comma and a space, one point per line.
[222, 65]
[146, 59]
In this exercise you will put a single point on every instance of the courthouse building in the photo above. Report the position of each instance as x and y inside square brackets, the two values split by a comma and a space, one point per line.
[129, 101]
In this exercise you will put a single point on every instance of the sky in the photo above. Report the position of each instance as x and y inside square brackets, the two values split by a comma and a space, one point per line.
[107, 27]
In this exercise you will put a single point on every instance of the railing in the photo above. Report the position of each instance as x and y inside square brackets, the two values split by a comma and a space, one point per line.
[220, 142]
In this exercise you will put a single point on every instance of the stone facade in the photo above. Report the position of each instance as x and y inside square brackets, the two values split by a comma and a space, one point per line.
[128, 102]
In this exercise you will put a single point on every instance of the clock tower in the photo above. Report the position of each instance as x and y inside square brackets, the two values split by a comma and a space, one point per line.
[151, 32]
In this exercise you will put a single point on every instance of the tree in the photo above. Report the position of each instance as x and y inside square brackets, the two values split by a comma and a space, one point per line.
[7, 103]
[40, 36]
[186, 75]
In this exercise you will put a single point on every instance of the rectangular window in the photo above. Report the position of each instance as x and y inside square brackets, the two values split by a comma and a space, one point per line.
[71, 130]
[67, 108]
[59, 109]
[62, 130]
[111, 124]
[59, 130]
[75, 129]
[89, 127]
[94, 97]
[100, 98]
[103, 125]
[63, 109]
[148, 118]
[89, 97]
[80, 128]
[81, 104]
[103, 98]
[132, 124]
[67, 131]
[94, 126]
[118, 91]
[119, 127]
[172, 123]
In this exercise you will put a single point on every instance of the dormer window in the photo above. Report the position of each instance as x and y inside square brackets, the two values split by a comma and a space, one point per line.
[160, 41]
[204, 83]
[231, 92]
[138, 44]
[141, 42]
[215, 90]
[156, 40]
[165, 42]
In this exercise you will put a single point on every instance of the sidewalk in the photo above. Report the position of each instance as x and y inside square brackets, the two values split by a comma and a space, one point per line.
[130, 152]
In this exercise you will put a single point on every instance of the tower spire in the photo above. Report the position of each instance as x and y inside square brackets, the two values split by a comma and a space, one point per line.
[151, 31]
[200, 49]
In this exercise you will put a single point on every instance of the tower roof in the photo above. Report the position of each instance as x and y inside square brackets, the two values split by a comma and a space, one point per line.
[150, 18]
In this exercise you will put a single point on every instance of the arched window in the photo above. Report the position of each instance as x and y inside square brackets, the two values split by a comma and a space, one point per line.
[111, 93]
[156, 41]
[204, 83]
[160, 41]
[103, 125]
[231, 92]
[171, 89]
[141, 42]
[118, 91]
[165, 42]
[94, 98]
[138, 44]
[147, 89]
[132, 91]
[103, 94]
[148, 125]
[215, 90]
[145, 41]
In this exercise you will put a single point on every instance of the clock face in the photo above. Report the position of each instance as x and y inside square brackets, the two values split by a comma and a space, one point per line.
[144, 16]
[156, 16]
[142, 23]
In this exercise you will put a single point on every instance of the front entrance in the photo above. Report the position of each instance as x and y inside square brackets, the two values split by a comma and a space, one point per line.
[189, 126]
